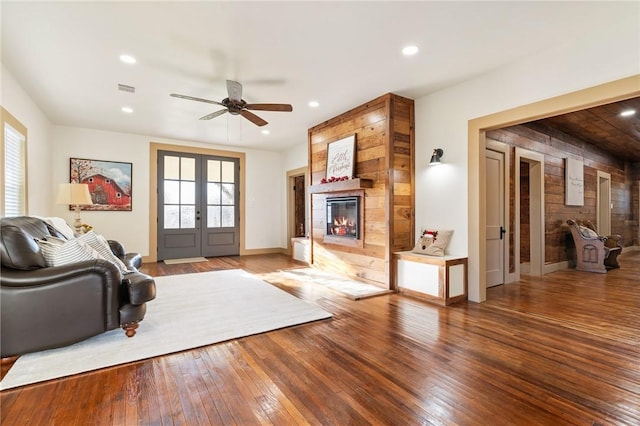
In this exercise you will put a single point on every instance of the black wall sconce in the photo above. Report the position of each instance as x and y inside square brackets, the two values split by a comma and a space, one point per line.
[435, 158]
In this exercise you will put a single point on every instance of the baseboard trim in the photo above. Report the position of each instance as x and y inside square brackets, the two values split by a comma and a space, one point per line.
[553, 267]
[512, 278]
[273, 250]
[245, 252]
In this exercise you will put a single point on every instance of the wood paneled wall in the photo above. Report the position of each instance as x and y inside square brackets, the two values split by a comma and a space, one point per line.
[384, 129]
[556, 146]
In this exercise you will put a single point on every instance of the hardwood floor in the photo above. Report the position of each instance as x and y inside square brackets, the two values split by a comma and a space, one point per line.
[560, 349]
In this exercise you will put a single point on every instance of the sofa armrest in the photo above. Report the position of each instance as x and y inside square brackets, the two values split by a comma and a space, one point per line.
[140, 288]
[117, 248]
[51, 275]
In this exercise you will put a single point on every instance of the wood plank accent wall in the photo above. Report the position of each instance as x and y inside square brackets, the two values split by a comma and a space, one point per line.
[556, 146]
[384, 129]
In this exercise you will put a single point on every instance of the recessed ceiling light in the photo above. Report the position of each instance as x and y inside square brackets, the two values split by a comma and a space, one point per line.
[410, 50]
[128, 59]
[314, 104]
[265, 132]
[628, 113]
[127, 110]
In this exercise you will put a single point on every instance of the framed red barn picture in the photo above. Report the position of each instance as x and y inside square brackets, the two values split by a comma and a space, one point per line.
[109, 183]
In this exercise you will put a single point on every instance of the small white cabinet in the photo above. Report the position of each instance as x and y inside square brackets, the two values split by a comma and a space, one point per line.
[442, 280]
[300, 249]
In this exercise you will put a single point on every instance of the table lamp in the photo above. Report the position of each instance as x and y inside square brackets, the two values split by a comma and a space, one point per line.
[75, 194]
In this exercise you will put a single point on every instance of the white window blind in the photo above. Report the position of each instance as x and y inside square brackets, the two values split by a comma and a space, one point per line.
[14, 172]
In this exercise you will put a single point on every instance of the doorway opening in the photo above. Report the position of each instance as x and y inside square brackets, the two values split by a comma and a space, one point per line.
[598, 95]
[603, 200]
[529, 213]
[296, 205]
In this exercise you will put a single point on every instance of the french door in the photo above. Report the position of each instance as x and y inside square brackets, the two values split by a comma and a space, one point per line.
[198, 211]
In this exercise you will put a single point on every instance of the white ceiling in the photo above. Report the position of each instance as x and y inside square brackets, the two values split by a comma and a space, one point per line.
[342, 54]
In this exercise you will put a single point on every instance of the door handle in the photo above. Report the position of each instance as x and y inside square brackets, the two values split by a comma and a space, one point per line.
[502, 231]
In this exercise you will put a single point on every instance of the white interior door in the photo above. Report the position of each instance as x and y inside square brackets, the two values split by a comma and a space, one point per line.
[495, 218]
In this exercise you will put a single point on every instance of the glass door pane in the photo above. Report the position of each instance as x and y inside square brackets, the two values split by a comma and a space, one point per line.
[179, 192]
[221, 190]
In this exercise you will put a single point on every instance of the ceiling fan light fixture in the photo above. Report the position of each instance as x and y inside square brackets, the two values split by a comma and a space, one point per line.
[266, 132]
[314, 104]
[628, 113]
[127, 110]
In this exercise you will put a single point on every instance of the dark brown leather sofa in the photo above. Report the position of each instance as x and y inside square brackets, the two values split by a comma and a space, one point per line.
[48, 307]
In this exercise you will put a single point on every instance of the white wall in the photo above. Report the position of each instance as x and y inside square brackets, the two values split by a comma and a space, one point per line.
[19, 104]
[442, 119]
[264, 181]
[296, 156]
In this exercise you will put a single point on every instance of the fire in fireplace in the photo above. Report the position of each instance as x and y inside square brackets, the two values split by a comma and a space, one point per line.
[343, 214]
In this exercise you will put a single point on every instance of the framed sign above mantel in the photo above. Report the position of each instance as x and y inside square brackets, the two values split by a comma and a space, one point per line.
[341, 156]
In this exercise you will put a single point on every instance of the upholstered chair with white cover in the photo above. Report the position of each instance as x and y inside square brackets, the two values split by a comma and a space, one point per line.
[592, 251]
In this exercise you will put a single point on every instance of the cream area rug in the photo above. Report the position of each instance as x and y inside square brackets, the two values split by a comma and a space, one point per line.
[354, 289]
[185, 260]
[190, 311]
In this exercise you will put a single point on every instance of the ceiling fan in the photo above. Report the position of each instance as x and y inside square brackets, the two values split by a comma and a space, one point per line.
[235, 105]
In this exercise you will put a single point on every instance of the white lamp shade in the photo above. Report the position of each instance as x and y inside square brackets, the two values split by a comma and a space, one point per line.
[74, 194]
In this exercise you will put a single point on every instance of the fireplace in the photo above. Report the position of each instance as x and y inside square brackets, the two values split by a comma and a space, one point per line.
[343, 217]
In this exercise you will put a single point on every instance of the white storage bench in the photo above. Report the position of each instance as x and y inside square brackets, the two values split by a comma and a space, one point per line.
[301, 249]
[442, 280]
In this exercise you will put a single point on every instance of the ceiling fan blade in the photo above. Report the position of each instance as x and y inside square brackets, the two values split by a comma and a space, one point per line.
[213, 114]
[270, 107]
[253, 118]
[191, 98]
[235, 90]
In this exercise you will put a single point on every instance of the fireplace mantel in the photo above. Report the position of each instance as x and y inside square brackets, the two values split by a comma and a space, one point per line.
[342, 185]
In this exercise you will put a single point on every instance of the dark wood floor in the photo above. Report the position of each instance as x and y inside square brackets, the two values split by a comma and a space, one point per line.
[563, 349]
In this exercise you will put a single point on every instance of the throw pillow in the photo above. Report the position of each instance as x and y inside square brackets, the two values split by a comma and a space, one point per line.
[61, 226]
[433, 242]
[54, 240]
[72, 251]
[588, 233]
[100, 244]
